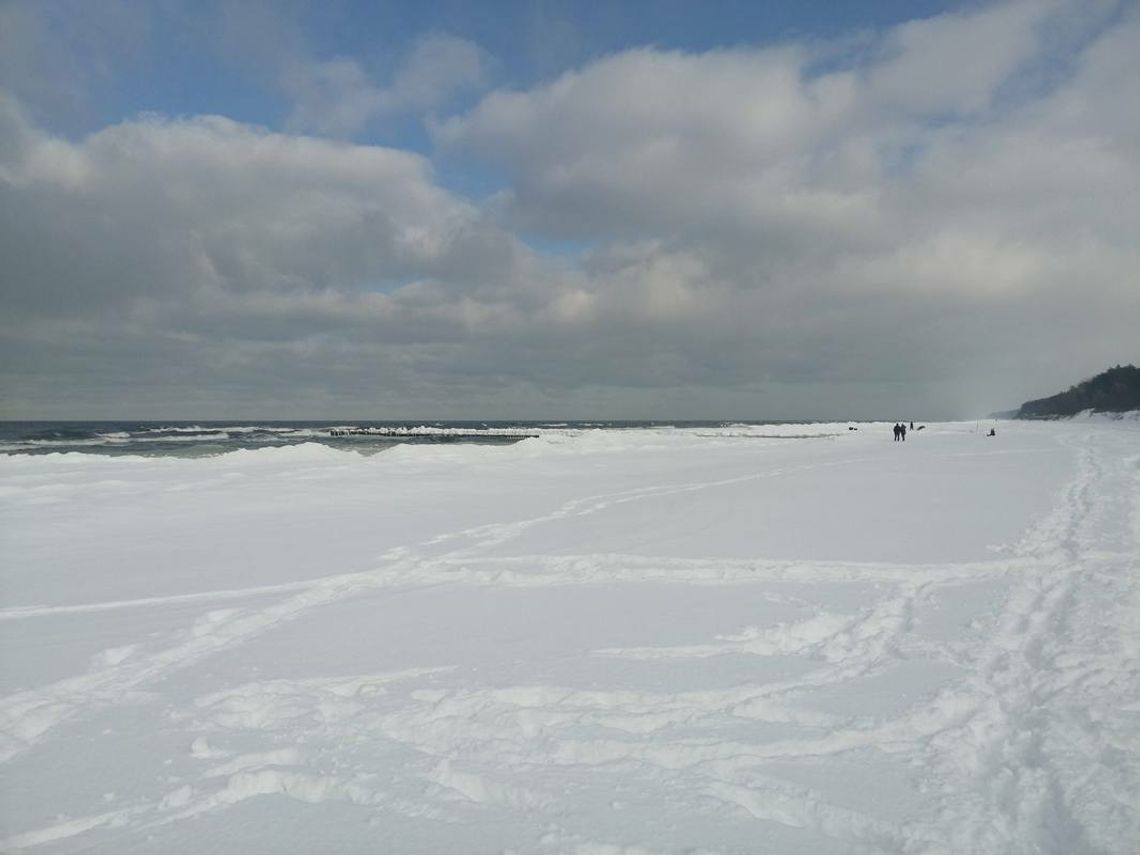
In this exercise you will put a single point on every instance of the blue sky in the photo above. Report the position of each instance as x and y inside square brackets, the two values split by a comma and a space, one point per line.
[564, 209]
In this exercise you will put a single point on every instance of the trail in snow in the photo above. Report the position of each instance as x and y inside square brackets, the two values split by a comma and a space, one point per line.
[27, 716]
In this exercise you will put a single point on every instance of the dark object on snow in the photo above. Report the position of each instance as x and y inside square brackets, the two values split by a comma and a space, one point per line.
[992, 432]
[921, 427]
[1116, 390]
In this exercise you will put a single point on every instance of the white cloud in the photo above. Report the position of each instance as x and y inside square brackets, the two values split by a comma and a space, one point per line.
[759, 150]
[56, 55]
[339, 98]
[225, 205]
[761, 141]
[338, 95]
[216, 244]
[955, 63]
[437, 67]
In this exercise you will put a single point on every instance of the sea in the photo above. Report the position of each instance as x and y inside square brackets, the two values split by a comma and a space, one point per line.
[207, 438]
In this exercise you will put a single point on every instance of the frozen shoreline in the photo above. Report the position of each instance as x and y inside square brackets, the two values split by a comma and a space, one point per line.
[605, 641]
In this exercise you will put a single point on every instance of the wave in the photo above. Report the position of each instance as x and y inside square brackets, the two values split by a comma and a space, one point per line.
[227, 428]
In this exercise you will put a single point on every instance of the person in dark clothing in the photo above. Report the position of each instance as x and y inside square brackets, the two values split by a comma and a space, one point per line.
[897, 431]
[902, 432]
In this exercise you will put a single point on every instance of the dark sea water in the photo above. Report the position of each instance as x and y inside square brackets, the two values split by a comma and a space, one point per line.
[196, 439]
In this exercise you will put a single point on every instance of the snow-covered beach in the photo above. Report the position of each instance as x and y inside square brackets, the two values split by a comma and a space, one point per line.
[792, 639]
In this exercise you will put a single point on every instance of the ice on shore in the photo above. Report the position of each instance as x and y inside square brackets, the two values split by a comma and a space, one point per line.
[799, 639]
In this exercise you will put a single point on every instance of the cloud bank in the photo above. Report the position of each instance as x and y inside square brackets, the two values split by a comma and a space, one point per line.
[940, 218]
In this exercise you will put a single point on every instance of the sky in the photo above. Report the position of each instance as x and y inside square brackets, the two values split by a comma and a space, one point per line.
[534, 209]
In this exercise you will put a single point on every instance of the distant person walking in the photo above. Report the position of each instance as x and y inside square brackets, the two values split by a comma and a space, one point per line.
[902, 432]
[897, 428]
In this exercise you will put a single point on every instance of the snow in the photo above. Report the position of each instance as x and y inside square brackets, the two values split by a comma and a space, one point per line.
[792, 639]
